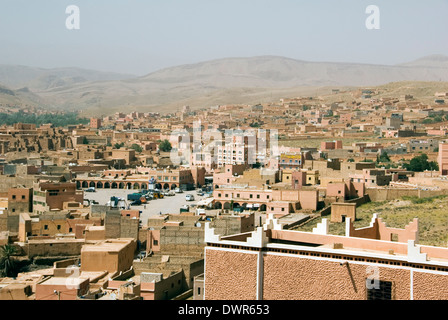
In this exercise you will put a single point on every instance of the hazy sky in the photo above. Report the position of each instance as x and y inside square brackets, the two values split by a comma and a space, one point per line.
[141, 36]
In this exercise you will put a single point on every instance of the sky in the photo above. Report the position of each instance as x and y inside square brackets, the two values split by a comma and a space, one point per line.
[142, 36]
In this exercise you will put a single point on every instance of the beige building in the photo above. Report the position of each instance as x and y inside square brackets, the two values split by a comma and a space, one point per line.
[113, 255]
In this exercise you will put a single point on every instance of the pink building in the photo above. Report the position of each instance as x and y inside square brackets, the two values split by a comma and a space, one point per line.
[227, 174]
[345, 190]
[330, 145]
[260, 199]
[442, 158]
[372, 177]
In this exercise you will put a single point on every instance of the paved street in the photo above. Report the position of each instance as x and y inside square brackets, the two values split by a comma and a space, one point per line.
[153, 207]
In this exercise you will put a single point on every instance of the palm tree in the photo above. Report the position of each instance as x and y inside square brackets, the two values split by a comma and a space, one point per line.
[6, 262]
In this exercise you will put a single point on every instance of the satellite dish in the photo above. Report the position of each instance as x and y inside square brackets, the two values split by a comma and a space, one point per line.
[113, 296]
[198, 224]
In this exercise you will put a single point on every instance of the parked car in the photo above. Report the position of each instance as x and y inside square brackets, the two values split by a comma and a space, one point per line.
[200, 192]
[189, 197]
[91, 189]
[178, 190]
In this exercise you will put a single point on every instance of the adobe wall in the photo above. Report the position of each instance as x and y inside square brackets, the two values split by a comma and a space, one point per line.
[99, 261]
[172, 285]
[53, 248]
[392, 194]
[339, 209]
[297, 278]
[129, 228]
[230, 275]
[46, 291]
[15, 292]
[10, 182]
[4, 222]
[429, 286]
[309, 199]
[180, 236]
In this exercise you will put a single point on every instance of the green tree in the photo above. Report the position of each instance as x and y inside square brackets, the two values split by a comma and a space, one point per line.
[384, 157]
[420, 163]
[165, 146]
[137, 147]
[7, 267]
[118, 145]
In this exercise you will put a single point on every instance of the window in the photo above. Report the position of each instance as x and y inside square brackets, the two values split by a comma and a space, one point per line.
[199, 290]
[258, 196]
[155, 242]
[383, 292]
[23, 197]
[46, 227]
[14, 196]
[59, 227]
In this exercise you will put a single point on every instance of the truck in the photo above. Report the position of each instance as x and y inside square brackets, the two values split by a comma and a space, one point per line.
[116, 202]
[134, 196]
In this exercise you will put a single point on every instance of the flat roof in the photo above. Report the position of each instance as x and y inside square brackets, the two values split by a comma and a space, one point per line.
[111, 245]
[64, 281]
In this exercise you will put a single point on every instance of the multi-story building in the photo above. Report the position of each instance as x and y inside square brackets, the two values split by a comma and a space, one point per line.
[442, 158]
[95, 123]
[292, 161]
[230, 198]
[235, 151]
[372, 177]
[49, 196]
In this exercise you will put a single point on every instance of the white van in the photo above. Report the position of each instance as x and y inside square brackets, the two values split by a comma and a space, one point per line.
[189, 197]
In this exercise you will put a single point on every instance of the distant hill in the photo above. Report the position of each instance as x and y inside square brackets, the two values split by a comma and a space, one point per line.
[273, 71]
[16, 76]
[21, 97]
[230, 80]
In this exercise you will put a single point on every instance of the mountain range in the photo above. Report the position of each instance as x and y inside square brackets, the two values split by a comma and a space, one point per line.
[222, 81]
